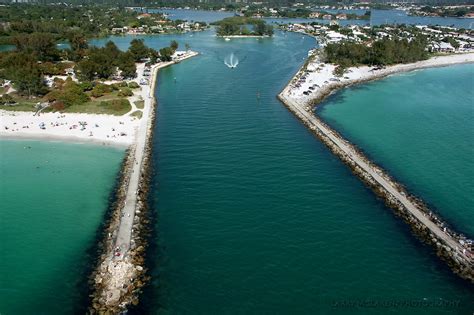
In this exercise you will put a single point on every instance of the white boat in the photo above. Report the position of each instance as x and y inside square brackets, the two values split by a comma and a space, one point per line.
[227, 38]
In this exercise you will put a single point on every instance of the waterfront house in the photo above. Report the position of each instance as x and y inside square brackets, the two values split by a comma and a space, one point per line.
[441, 47]
[144, 15]
[334, 37]
[446, 47]
[118, 30]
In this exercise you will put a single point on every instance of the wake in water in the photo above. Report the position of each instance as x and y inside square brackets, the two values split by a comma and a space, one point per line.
[231, 61]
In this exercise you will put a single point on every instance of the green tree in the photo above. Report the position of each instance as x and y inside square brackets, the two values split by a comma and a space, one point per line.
[166, 53]
[86, 70]
[138, 49]
[174, 45]
[100, 62]
[78, 42]
[111, 51]
[259, 28]
[154, 55]
[42, 45]
[24, 71]
[100, 90]
[69, 94]
[126, 63]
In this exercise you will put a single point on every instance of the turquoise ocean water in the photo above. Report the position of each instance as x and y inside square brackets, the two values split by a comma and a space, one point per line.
[420, 126]
[253, 215]
[53, 197]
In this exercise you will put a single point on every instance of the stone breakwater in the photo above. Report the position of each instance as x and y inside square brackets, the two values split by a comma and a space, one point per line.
[452, 247]
[120, 273]
[117, 282]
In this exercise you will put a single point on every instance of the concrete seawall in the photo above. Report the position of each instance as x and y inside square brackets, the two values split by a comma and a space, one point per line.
[120, 273]
[428, 226]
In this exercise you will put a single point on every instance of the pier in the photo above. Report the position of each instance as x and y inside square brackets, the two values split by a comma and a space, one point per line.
[120, 272]
[450, 246]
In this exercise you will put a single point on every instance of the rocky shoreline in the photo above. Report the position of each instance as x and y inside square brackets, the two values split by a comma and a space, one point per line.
[132, 276]
[450, 246]
[120, 273]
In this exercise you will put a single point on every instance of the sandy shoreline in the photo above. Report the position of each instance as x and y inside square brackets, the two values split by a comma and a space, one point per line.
[319, 81]
[110, 130]
[100, 129]
[451, 246]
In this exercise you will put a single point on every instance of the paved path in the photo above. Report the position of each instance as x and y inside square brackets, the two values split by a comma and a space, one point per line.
[124, 234]
[360, 160]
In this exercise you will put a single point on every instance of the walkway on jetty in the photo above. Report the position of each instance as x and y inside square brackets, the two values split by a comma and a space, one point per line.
[368, 171]
[120, 273]
[124, 235]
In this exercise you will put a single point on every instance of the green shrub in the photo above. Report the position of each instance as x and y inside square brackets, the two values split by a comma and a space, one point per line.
[133, 85]
[122, 84]
[100, 90]
[125, 92]
[69, 94]
[86, 86]
[117, 106]
[6, 99]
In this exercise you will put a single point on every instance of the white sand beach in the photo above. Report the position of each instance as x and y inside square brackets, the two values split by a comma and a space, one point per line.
[103, 129]
[106, 129]
[318, 80]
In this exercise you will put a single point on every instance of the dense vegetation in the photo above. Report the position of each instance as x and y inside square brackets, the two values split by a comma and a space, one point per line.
[36, 56]
[381, 52]
[238, 25]
[62, 22]
[445, 12]
[59, 21]
[29, 73]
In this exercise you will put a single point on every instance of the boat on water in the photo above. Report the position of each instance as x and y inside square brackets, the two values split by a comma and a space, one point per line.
[227, 38]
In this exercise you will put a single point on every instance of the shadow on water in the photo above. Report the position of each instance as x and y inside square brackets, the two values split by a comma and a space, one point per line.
[84, 285]
[153, 251]
[340, 96]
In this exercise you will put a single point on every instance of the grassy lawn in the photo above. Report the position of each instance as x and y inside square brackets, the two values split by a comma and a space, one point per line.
[137, 113]
[23, 104]
[20, 107]
[110, 104]
[105, 97]
[140, 104]
[102, 105]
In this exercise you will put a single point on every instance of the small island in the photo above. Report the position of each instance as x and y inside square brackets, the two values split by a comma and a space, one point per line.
[239, 26]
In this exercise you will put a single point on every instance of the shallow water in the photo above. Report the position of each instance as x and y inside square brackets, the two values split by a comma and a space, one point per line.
[253, 214]
[420, 126]
[53, 197]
